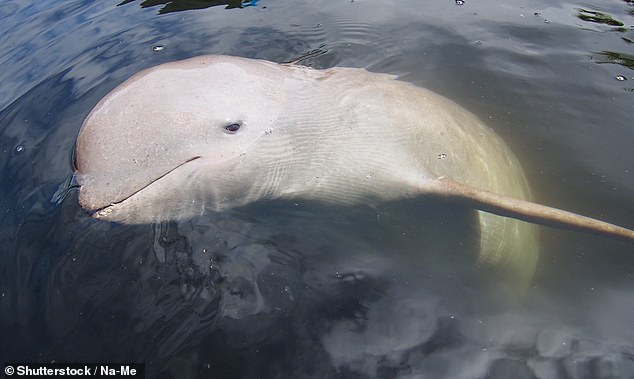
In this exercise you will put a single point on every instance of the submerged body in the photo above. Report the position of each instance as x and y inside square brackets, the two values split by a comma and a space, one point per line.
[216, 132]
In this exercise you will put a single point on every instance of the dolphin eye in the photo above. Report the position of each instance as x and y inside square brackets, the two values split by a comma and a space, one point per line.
[232, 127]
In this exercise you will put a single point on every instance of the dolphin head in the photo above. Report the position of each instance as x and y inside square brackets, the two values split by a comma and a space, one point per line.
[149, 140]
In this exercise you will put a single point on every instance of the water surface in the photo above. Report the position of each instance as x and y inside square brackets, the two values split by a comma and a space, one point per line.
[292, 290]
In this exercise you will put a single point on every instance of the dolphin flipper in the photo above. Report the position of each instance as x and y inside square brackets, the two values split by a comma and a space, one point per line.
[524, 210]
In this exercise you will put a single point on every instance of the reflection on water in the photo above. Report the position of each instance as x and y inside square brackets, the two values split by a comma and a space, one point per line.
[599, 18]
[183, 5]
[297, 290]
[625, 60]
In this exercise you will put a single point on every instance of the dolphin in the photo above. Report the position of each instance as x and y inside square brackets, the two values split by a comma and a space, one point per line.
[211, 133]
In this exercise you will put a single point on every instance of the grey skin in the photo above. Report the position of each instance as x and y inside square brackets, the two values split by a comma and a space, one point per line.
[163, 146]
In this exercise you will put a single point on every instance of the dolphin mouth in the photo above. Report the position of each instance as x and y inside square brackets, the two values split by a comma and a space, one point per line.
[105, 211]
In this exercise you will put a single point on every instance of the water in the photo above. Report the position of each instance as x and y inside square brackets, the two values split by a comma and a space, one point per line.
[291, 290]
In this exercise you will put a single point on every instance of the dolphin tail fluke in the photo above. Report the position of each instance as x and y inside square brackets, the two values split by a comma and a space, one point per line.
[525, 210]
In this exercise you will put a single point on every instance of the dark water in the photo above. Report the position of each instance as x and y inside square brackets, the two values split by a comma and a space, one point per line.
[285, 290]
